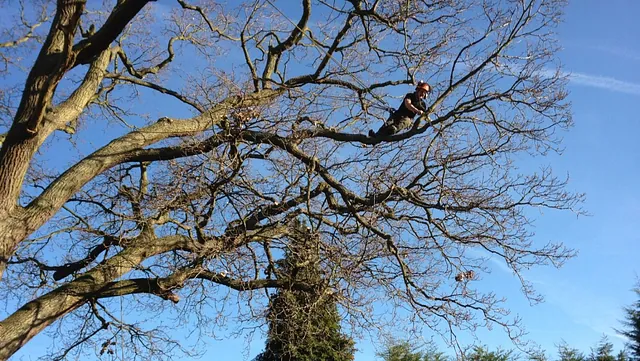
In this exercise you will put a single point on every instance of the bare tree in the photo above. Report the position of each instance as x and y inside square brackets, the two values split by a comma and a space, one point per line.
[157, 152]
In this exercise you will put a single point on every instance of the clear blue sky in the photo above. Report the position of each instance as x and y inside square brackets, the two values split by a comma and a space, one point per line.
[601, 43]
[584, 298]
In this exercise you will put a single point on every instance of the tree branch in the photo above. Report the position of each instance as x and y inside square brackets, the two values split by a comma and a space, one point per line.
[276, 51]
[54, 60]
[163, 287]
[120, 17]
[31, 318]
[159, 89]
[130, 148]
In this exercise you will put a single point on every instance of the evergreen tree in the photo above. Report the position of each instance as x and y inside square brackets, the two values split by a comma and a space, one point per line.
[622, 356]
[433, 354]
[406, 351]
[480, 353]
[631, 328]
[304, 325]
[566, 353]
[603, 351]
[537, 355]
[401, 351]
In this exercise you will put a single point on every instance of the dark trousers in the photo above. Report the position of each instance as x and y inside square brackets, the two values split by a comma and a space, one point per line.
[392, 126]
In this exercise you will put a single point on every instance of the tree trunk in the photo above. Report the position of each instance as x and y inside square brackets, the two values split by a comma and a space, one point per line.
[15, 156]
[13, 229]
[55, 58]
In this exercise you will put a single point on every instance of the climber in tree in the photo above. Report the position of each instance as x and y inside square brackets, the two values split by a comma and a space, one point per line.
[402, 118]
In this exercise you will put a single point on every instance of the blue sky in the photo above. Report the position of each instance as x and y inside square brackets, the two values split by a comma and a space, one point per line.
[602, 158]
[583, 299]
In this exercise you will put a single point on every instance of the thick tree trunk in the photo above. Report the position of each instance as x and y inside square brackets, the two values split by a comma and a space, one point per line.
[55, 58]
[13, 158]
[13, 229]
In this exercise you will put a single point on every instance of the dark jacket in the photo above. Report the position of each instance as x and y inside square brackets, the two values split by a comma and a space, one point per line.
[403, 111]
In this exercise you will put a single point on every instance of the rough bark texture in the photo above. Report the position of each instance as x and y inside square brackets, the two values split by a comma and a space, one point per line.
[55, 59]
[35, 118]
[15, 225]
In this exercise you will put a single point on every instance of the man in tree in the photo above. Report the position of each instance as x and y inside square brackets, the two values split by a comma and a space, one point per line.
[181, 194]
[304, 325]
[412, 105]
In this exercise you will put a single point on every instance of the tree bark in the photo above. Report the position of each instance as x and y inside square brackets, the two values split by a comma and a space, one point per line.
[54, 60]
[14, 227]
[22, 141]
[29, 130]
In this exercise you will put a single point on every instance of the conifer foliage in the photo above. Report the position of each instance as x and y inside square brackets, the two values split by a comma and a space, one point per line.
[304, 325]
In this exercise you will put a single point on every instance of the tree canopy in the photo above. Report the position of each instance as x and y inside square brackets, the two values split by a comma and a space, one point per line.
[631, 326]
[154, 152]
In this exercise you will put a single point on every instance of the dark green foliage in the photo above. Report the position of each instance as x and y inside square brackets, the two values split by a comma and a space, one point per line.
[432, 354]
[622, 356]
[406, 351]
[401, 351]
[631, 328]
[304, 325]
[566, 353]
[480, 353]
[537, 355]
[603, 351]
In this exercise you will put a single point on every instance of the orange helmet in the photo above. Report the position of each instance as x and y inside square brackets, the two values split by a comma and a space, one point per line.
[424, 86]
